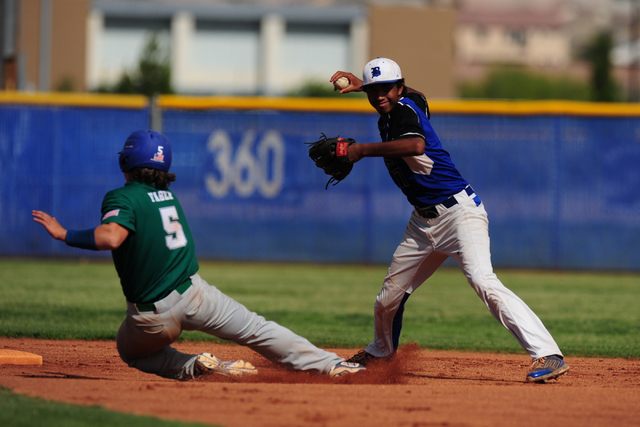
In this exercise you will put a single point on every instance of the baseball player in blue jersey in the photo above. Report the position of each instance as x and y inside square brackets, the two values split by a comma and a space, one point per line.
[449, 220]
[144, 226]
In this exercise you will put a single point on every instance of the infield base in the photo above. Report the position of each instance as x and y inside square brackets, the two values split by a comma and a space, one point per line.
[15, 357]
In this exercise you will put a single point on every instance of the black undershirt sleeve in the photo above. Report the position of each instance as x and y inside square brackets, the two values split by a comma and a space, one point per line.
[403, 121]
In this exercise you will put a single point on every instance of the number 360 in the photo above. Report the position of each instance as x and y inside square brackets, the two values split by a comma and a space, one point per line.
[250, 169]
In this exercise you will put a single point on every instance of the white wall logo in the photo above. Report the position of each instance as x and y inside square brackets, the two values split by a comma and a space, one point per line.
[253, 167]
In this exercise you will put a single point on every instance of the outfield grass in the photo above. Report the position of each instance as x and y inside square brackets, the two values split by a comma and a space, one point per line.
[23, 411]
[589, 314]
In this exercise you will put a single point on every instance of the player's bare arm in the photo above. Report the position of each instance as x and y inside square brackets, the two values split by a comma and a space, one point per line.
[405, 147]
[110, 236]
[107, 236]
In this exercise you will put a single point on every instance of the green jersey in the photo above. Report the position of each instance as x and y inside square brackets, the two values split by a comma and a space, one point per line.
[159, 253]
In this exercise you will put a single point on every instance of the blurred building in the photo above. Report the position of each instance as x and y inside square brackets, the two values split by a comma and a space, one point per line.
[225, 48]
[43, 43]
[547, 36]
[271, 47]
[229, 48]
[524, 37]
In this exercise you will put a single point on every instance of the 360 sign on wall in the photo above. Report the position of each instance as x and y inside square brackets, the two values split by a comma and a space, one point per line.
[257, 165]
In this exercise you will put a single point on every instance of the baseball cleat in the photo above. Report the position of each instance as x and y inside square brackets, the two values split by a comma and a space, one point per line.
[344, 368]
[547, 368]
[364, 358]
[206, 363]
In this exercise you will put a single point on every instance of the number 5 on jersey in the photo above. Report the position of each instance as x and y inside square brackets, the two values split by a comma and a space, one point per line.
[175, 234]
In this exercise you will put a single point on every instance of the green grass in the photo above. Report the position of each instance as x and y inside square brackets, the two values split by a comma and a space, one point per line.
[589, 314]
[22, 411]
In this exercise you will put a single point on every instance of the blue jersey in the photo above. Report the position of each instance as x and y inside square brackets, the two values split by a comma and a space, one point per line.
[427, 179]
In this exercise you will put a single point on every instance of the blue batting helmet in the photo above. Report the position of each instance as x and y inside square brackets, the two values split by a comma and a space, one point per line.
[146, 149]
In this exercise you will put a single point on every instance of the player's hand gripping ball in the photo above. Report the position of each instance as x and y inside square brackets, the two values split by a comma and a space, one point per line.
[341, 83]
[332, 156]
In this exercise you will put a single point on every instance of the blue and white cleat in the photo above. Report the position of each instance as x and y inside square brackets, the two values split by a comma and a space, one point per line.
[547, 368]
[207, 363]
[345, 368]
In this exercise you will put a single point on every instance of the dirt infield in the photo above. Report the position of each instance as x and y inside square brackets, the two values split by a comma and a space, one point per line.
[418, 388]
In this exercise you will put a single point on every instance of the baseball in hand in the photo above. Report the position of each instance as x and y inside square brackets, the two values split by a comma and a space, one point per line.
[342, 82]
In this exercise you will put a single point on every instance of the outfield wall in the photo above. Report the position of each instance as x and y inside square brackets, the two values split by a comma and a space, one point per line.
[560, 180]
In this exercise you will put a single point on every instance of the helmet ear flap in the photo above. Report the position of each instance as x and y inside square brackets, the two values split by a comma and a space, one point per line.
[123, 162]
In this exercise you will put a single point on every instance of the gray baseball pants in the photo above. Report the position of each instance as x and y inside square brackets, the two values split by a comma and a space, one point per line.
[462, 233]
[144, 338]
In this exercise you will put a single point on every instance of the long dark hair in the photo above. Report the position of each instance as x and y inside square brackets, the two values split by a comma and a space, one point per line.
[154, 177]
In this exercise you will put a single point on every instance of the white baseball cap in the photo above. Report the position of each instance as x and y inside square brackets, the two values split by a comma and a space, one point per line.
[381, 70]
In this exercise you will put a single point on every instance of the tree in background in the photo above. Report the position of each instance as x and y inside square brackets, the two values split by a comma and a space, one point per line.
[514, 82]
[598, 54]
[66, 84]
[153, 75]
[315, 89]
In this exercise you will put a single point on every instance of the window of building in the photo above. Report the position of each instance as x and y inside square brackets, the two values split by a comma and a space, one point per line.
[314, 51]
[123, 41]
[517, 36]
[226, 54]
[481, 33]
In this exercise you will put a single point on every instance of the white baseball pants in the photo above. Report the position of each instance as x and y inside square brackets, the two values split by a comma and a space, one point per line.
[144, 338]
[460, 232]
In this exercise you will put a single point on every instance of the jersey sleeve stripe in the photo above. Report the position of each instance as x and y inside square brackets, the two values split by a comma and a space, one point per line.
[410, 135]
[406, 104]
